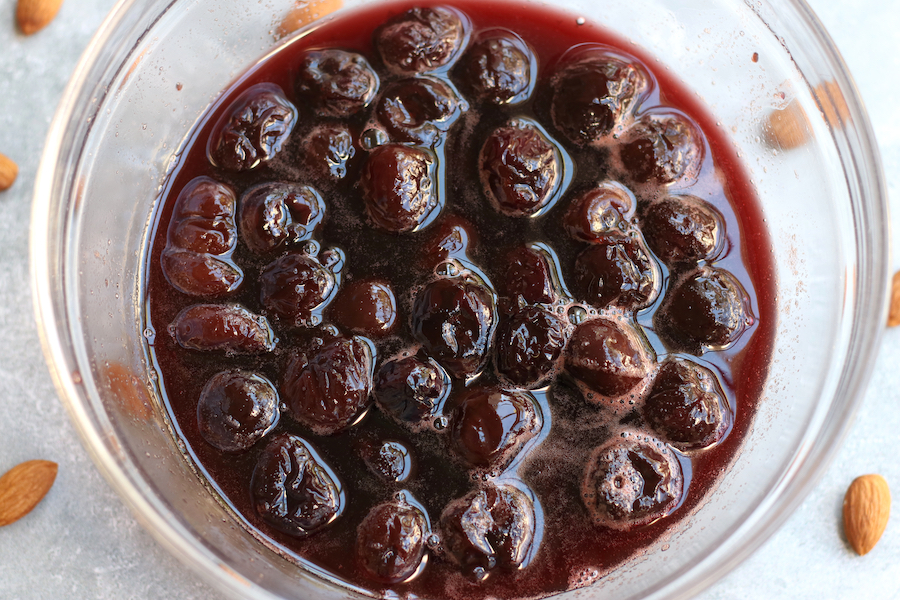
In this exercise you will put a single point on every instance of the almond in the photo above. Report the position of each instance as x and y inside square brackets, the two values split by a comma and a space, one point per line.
[34, 15]
[8, 172]
[304, 13]
[867, 506]
[894, 312]
[23, 486]
[788, 128]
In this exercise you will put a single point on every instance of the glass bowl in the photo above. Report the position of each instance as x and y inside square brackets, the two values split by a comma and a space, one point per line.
[137, 95]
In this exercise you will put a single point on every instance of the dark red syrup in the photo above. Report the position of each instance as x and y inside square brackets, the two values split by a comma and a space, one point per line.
[568, 541]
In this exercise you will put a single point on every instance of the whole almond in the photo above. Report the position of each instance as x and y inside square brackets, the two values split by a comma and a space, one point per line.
[34, 15]
[23, 486]
[867, 506]
[8, 172]
[894, 312]
[304, 13]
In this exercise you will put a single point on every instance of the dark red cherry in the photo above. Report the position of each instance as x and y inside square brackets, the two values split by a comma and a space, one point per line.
[253, 129]
[390, 460]
[454, 318]
[529, 346]
[236, 409]
[662, 147]
[490, 426]
[592, 215]
[327, 387]
[595, 93]
[530, 275]
[400, 187]
[335, 83]
[329, 152]
[633, 480]
[608, 357]
[686, 406]
[228, 328]
[366, 306]
[453, 238]
[421, 39]
[499, 68]
[419, 109]
[618, 270]
[278, 213]
[521, 168]
[293, 489]
[706, 309]
[390, 542]
[411, 389]
[683, 229]
[492, 528]
[295, 287]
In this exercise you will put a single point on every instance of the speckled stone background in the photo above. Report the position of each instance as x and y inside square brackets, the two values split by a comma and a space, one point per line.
[82, 543]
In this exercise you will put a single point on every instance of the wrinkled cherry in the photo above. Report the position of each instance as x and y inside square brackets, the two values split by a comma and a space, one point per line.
[390, 542]
[608, 207]
[421, 39]
[490, 426]
[607, 357]
[253, 129]
[295, 287]
[618, 270]
[201, 238]
[683, 229]
[453, 239]
[499, 68]
[327, 387]
[662, 147]
[706, 309]
[631, 481]
[329, 151]
[236, 409]
[411, 389]
[530, 275]
[529, 345]
[336, 83]
[228, 328]
[521, 168]
[400, 187]
[367, 307]
[419, 109]
[454, 318]
[293, 489]
[491, 528]
[686, 405]
[596, 92]
[391, 460]
[277, 213]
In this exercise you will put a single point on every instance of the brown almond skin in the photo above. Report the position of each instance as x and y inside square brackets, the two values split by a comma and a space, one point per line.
[867, 506]
[894, 312]
[34, 15]
[9, 170]
[23, 487]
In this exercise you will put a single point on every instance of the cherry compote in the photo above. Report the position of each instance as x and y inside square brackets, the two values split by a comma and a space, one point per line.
[460, 301]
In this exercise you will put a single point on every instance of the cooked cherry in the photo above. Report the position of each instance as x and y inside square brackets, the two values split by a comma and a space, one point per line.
[367, 307]
[329, 151]
[491, 528]
[452, 239]
[683, 229]
[296, 287]
[400, 187]
[411, 389]
[229, 328]
[336, 83]
[390, 542]
[607, 357]
[599, 211]
[277, 213]
[454, 318]
[706, 309]
[236, 409]
[201, 239]
[499, 68]
[293, 489]
[521, 168]
[253, 129]
[618, 270]
[390, 460]
[419, 109]
[421, 39]
[530, 275]
[631, 481]
[490, 426]
[529, 346]
[662, 147]
[686, 406]
[327, 387]
[595, 92]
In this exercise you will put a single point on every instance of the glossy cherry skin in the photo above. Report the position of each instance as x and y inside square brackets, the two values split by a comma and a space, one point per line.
[400, 187]
[336, 83]
[499, 68]
[662, 147]
[618, 270]
[228, 328]
[279, 213]
[367, 307]
[236, 409]
[683, 230]
[330, 152]
[608, 357]
[599, 211]
[411, 389]
[295, 287]
[419, 109]
[390, 542]
[421, 39]
[529, 346]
